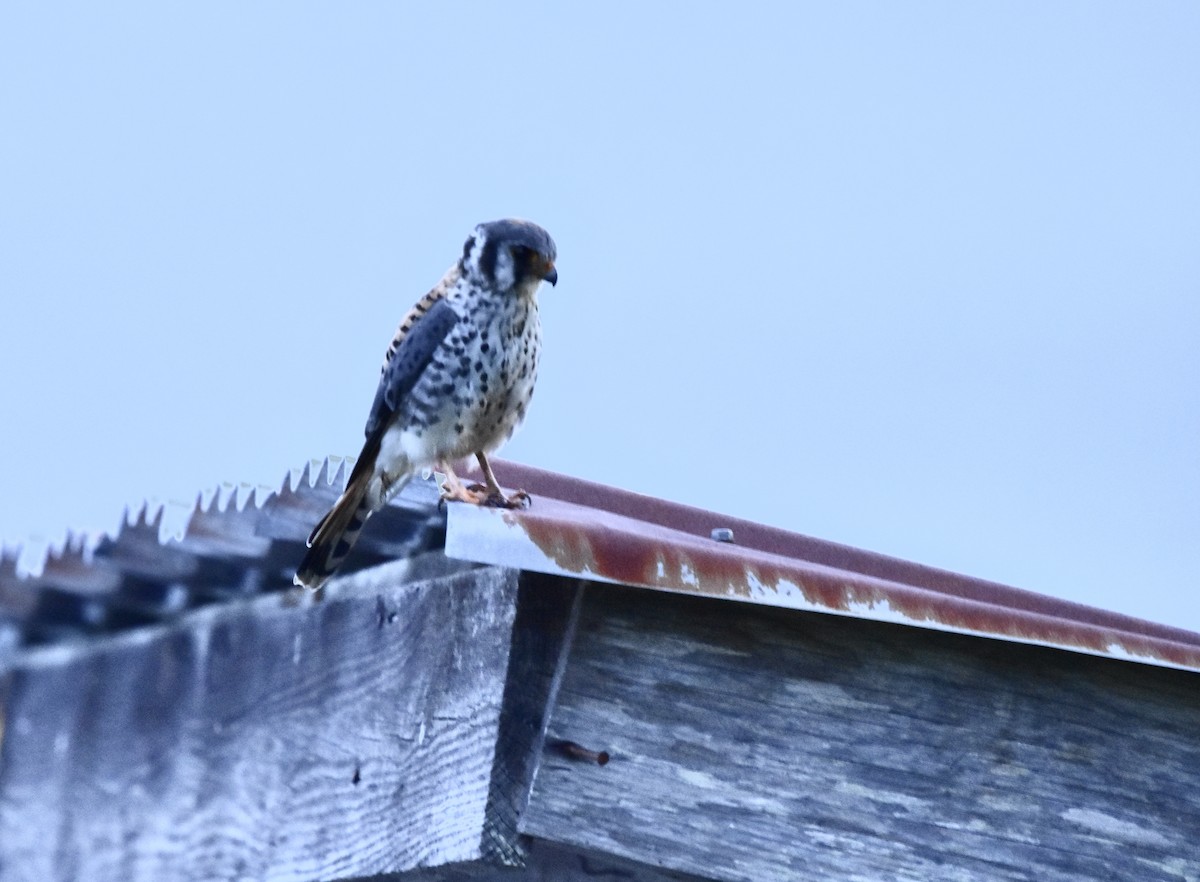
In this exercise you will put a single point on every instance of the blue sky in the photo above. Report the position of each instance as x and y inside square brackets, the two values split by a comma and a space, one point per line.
[920, 277]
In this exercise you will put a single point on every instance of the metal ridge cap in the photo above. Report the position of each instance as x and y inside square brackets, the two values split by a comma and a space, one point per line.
[153, 534]
[691, 520]
[564, 539]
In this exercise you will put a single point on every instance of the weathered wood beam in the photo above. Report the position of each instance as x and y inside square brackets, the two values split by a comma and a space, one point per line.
[547, 608]
[284, 737]
[755, 744]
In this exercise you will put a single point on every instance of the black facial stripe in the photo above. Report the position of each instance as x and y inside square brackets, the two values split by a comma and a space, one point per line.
[487, 260]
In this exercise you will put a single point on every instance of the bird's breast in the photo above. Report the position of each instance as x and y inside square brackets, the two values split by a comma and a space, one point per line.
[504, 371]
[477, 392]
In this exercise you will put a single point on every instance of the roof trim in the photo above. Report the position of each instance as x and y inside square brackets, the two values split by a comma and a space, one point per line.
[578, 528]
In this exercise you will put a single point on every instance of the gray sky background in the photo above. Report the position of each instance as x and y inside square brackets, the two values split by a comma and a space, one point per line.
[918, 277]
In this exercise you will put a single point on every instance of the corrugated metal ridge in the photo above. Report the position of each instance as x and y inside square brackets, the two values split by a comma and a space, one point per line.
[580, 528]
[165, 558]
[158, 562]
[213, 514]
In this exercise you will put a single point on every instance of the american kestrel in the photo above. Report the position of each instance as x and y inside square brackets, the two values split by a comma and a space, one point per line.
[457, 380]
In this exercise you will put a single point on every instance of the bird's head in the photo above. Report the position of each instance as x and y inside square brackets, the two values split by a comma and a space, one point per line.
[510, 255]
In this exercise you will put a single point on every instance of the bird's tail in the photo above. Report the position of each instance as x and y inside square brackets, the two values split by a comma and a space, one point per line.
[332, 538]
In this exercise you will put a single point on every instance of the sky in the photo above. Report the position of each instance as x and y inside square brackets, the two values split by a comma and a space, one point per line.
[918, 277]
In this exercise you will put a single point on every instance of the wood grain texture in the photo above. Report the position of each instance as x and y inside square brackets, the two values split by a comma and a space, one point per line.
[283, 738]
[545, 862]
[541, 636]
[753, 744]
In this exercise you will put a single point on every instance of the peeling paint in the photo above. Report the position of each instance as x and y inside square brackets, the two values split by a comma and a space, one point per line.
[583, 540]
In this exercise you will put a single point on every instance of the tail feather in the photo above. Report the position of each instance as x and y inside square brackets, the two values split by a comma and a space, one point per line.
[335, 535]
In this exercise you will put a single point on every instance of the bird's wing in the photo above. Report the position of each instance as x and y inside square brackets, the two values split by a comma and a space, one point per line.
[436, 293]
[412, 355]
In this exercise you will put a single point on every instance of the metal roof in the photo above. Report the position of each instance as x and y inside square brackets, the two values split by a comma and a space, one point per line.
[243, 542]
[578, 528]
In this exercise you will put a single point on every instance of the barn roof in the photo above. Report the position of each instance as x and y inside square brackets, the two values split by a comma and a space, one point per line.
[248, 541]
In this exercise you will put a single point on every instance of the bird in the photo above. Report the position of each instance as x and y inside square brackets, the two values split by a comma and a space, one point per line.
[456, 381]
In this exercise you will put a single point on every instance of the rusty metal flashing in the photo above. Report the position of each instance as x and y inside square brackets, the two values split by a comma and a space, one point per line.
[579, 529]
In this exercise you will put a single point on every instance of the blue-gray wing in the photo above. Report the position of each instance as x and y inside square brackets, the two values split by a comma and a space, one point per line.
[409, 361]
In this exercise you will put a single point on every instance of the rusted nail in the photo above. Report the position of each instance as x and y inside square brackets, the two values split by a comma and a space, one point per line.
[722, 534]
[574, 751]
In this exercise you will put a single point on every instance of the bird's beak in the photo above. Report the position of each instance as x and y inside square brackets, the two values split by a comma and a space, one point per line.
[550, 274]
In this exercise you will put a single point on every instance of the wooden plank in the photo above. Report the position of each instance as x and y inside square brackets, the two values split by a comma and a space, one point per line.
[546, 611]
[287, 737]
[752, 744]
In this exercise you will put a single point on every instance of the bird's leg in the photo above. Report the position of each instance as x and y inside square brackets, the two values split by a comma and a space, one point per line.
[454, 491]
[495, 496]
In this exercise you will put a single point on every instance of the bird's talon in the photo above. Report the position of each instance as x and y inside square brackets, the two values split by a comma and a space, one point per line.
[472, 495]
[520, 499]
